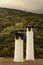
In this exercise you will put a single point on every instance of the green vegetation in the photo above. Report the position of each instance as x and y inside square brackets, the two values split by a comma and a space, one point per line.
[14, 20]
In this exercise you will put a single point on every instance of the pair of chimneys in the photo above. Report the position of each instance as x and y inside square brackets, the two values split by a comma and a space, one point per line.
[18, 55]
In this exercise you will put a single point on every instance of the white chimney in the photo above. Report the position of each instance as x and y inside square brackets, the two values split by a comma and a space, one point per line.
[29, 44]
[18, 56]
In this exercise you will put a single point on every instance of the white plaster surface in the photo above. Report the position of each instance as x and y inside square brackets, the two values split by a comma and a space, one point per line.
[18, 57]
[29, 45]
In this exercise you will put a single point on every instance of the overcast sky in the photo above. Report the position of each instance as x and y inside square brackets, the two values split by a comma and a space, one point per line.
[26, 5]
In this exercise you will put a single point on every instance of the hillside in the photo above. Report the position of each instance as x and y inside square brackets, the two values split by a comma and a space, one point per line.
[11, 21]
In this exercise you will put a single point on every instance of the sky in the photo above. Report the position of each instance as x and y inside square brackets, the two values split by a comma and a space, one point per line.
[35, 6]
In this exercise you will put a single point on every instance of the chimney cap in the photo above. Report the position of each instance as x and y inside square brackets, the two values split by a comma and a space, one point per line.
[21, 33]
[29, 26]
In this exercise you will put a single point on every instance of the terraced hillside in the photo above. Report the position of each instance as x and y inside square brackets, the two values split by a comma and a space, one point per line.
[11, 21]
